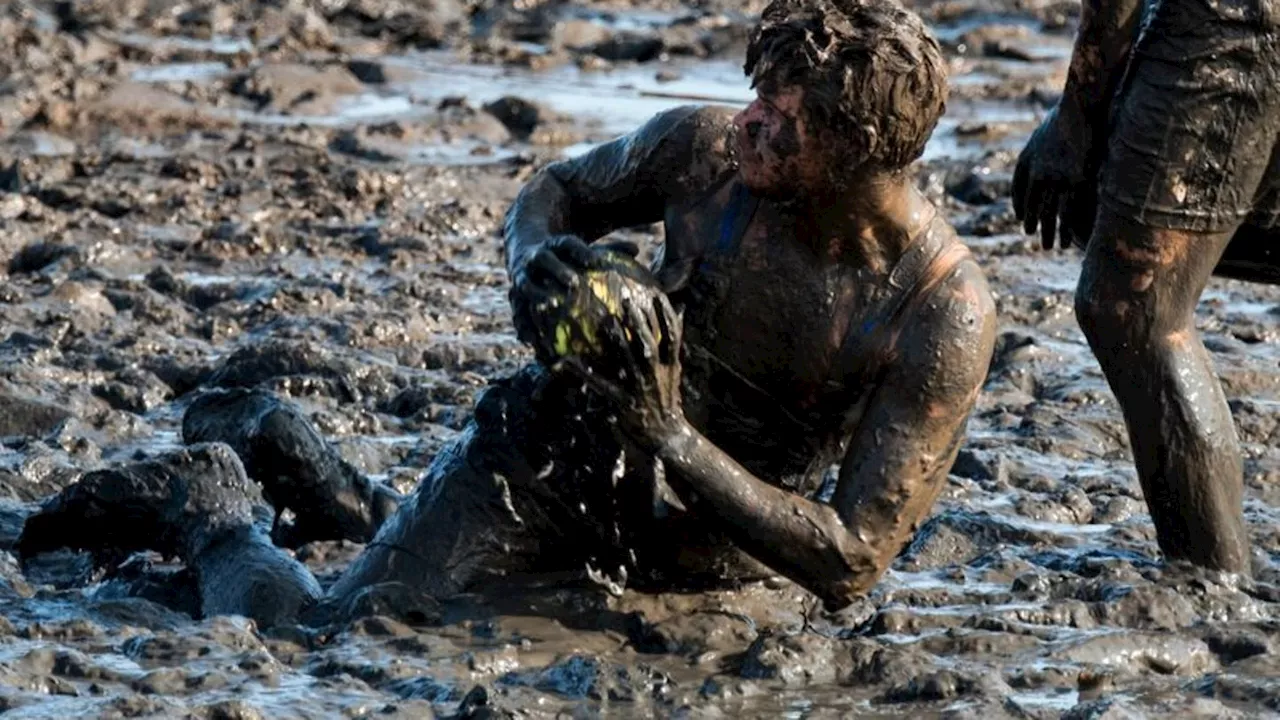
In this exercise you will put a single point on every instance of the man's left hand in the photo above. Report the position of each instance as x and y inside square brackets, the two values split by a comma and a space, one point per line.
[1053, 181]
[643, 357]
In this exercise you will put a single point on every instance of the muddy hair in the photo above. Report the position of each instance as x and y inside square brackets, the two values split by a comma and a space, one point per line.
[872, 75]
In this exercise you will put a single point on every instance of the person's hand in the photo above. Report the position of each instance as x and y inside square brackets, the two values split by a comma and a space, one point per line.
[1053, 184]
[552, 271]
[642, 353]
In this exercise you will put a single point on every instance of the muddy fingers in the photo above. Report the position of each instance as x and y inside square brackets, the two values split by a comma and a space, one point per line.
[671, 327]
[641, 323]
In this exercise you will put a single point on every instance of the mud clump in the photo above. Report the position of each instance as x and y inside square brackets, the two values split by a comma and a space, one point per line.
[519, 116]
[27, 417]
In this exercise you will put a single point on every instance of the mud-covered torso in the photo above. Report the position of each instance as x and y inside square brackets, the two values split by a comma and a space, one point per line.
[782, 344]
[785, 341]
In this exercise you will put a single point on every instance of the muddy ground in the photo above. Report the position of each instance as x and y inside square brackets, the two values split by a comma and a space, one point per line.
[316, 187]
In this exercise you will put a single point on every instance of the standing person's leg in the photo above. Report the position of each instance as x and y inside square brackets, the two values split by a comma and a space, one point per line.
[1136, 301]
[1189, 149]
[1254, 252]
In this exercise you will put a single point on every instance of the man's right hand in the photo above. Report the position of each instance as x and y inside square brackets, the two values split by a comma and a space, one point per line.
[554, 268]
[1053, 184]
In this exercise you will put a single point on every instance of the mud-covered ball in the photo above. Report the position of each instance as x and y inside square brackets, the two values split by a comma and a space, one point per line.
[578, 322]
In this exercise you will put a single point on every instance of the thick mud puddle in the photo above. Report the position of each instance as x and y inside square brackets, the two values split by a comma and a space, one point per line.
[310, 195]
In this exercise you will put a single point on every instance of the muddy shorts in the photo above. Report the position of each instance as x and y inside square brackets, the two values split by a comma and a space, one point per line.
[1193, 142]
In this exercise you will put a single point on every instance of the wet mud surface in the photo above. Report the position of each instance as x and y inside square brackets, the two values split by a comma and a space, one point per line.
[304, 198]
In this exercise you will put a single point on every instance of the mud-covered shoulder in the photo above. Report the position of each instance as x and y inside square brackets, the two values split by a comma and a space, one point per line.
[676, 154]
[673, 159]
[947, 346]
[706, 137]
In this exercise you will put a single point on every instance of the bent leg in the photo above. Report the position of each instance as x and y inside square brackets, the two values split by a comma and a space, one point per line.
[196, 504]
[529, 487]
[297, 468]
[1138, 290]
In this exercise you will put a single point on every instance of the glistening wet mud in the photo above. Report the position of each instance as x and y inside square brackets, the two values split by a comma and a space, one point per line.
[306, 199]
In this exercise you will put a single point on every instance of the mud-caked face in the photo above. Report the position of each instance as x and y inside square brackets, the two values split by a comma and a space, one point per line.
[777, 155]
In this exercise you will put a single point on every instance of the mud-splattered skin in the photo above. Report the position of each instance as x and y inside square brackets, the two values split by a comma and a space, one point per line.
[1182, 166]
[797, 344]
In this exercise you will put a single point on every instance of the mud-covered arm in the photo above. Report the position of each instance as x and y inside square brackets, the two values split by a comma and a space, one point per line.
[1054, 182]
[628, 181]
[896, 462]
[906, 442]
[1104, 39]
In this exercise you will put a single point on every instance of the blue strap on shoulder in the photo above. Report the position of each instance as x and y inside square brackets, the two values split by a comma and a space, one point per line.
[729, 221]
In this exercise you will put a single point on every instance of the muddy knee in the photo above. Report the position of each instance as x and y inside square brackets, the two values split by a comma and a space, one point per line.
[1114, 325]
[457, 522]
[1099, 318]
[1139, 285]
[480, 508]
[297, 467]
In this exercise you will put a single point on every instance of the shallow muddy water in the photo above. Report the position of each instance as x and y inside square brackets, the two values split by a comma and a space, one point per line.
[181, 183]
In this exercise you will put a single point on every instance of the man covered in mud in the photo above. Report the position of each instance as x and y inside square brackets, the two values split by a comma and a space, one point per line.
[1162, 154]
[809, 308]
